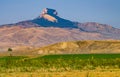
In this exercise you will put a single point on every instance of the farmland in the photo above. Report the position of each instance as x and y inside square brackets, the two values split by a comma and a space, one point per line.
[53, 65]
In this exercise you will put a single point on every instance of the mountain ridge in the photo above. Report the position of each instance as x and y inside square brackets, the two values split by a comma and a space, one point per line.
[45, 30]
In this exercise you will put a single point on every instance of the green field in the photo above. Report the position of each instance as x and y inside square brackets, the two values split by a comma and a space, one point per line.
[59, 63]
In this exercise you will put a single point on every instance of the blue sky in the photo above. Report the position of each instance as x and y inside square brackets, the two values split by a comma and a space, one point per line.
[102, 11]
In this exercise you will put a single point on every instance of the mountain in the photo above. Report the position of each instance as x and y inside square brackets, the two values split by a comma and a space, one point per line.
[49, 18]
[49, 28]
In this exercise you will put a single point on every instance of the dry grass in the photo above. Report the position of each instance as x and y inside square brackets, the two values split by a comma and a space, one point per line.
[76, 47]
[70, 47]
[64, 74]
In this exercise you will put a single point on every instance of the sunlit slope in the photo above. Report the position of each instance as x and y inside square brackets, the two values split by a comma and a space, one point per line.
[75, 47]
[71, 47]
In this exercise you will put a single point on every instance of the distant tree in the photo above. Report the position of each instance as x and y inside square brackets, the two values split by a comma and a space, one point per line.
[10, 51]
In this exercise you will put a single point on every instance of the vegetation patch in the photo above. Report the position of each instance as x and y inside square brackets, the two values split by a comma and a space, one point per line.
[59, 63]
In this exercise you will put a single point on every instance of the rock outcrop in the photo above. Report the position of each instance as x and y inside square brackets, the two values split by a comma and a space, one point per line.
[49, 11]
[50, 18]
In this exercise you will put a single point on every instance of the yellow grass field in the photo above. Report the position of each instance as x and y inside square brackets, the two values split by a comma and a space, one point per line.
[94, 73]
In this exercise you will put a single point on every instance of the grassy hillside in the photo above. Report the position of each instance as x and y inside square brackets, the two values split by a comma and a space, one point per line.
[71, 47]
[75, 47]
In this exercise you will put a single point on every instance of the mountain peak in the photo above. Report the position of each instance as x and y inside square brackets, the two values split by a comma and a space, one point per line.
[49, 11]
[49, 14]
[49, 18]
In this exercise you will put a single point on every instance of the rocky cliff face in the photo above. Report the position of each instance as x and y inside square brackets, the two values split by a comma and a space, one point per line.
[49, 14]
[49, 11]
[49, 18]
[49, 28]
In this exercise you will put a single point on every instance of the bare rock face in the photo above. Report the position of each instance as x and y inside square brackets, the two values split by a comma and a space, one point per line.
[49, 11]
[49, 14]
[49, 18]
